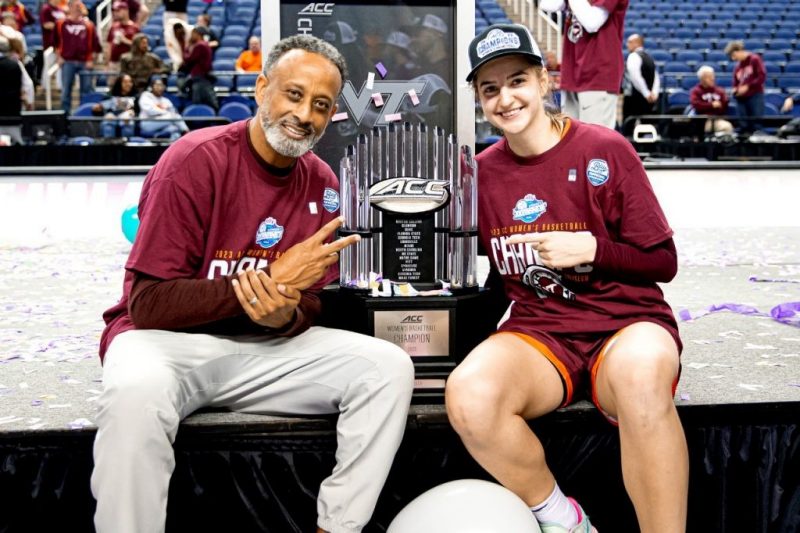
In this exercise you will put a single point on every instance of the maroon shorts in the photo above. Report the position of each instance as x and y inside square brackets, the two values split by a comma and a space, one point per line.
[577, 358]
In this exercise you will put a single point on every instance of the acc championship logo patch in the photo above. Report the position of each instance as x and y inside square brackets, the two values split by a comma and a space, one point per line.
[269, 233]
[330, 200]
[529, 209]
[409, 195]
[597, 172]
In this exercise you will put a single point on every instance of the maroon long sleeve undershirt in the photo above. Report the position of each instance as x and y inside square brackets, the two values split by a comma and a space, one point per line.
[203, 305]
[658, 263]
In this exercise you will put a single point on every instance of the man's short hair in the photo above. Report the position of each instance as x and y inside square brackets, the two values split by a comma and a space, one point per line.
[311, 44]
[733, 46]
[705, 69]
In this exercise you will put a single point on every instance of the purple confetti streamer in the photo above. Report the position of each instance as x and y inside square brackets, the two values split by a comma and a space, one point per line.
[786, 313]
[381, 69]
[685, 397]
[772, 280]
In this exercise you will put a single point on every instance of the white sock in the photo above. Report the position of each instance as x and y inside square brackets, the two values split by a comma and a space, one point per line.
[556, 509]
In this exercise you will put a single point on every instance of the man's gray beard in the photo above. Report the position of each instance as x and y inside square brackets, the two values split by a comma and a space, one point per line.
[280, 142]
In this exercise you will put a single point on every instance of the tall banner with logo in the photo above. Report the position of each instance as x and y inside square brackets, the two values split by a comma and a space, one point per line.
[400, 59]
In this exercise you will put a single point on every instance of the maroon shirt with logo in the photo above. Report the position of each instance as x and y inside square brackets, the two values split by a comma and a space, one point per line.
[76, 39]
[593, 61]
[591, 181]
[209, 209]
[703, 98]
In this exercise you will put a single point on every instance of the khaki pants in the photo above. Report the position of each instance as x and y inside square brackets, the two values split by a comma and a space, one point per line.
[153, 379]
[592, 107]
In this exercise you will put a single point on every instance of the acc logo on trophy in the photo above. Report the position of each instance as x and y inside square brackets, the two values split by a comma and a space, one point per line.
[409, 195]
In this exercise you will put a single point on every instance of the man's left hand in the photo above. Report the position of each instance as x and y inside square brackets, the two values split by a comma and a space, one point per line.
[560, 249]
[267, 303]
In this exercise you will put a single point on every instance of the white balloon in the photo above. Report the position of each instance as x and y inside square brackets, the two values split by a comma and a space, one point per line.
[466, 506]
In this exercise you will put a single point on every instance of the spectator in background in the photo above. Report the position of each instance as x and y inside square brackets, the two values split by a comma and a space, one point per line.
[17, 53]
[642, 84]
[399, 59]
[10, 94]
[175, 9]
[138, 11]
[591, 61]
[140, 63]
[176, 39]
[749, 76]
[788, 104]
[197, 65]
[432, 49]
[8, 29]
[707, 98]
[250, 59]
[21, 15]
[341, 35]
[77, 42]
[50, 13]
[120, 37]
[553, 70]
[119, 109]
[203, 25]
[153, 104]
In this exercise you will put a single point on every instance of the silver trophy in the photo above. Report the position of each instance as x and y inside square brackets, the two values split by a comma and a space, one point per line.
[411, 193]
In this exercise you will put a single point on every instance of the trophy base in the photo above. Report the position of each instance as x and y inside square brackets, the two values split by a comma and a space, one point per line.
[436, 331]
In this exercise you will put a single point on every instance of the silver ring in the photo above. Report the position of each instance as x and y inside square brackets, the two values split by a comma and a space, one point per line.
[253, 300]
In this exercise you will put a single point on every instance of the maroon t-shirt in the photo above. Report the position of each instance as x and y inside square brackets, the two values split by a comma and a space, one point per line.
[76, 39]
[593, 61]
[197, 60]
[591, 181]
[209, 208]
[750, 71]
[703, 98]
[118, 48]
[49, 14]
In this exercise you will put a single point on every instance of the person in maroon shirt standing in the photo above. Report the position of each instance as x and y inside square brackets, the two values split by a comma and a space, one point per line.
[120, 37]
[219, 300]
[749, 76]
[577, 241]
[196, 65]
[76, 41]
[50, 14]
[591, 59]
[706, 98]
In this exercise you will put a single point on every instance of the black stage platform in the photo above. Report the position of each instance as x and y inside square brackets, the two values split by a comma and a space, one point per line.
[739, 396]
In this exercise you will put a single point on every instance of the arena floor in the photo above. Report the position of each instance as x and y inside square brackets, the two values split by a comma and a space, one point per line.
[61, 257]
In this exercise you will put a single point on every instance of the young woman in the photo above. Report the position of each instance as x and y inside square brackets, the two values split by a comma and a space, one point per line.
[577, 241]
[122, 106]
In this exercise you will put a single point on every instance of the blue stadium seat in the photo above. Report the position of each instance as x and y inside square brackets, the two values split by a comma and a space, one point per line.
[684, 33]
[789, 82]
[661, 55]
[677, 66]
[84, 110]
[696, 25]
[673, 44]
[760, 33]
[227, 52]
[774, 56]
[775, 99]
[235, 111]
[792, 67]
[784, 33]
[238, 30]
[235, 41]
[93, 98]
[690, 57]
[677, 99]
[198, 110]
[246, 82]
[716, 56]
[779, 44]
[725, 81]
[688, 82]
[773, 67]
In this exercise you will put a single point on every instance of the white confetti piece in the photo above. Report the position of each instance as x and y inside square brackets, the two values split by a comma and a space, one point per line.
[377, 99]
[702, 342]
[40, 425]
[370, 80]
[59, 405]
[750, 346]
[414, 98]
[94, 391]
[312, 208]
[731, 334]
[394, 117]
[769, 363]
[338, 117]
[721, 365]
[79, 423]
[752, 388]
[716, 376]
[697, 365]
[23, 385]
[790, 339]
[92, 399]
[10, 419]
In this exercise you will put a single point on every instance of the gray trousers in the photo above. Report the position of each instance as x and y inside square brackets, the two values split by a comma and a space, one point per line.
[152, 379]
[592, 107]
